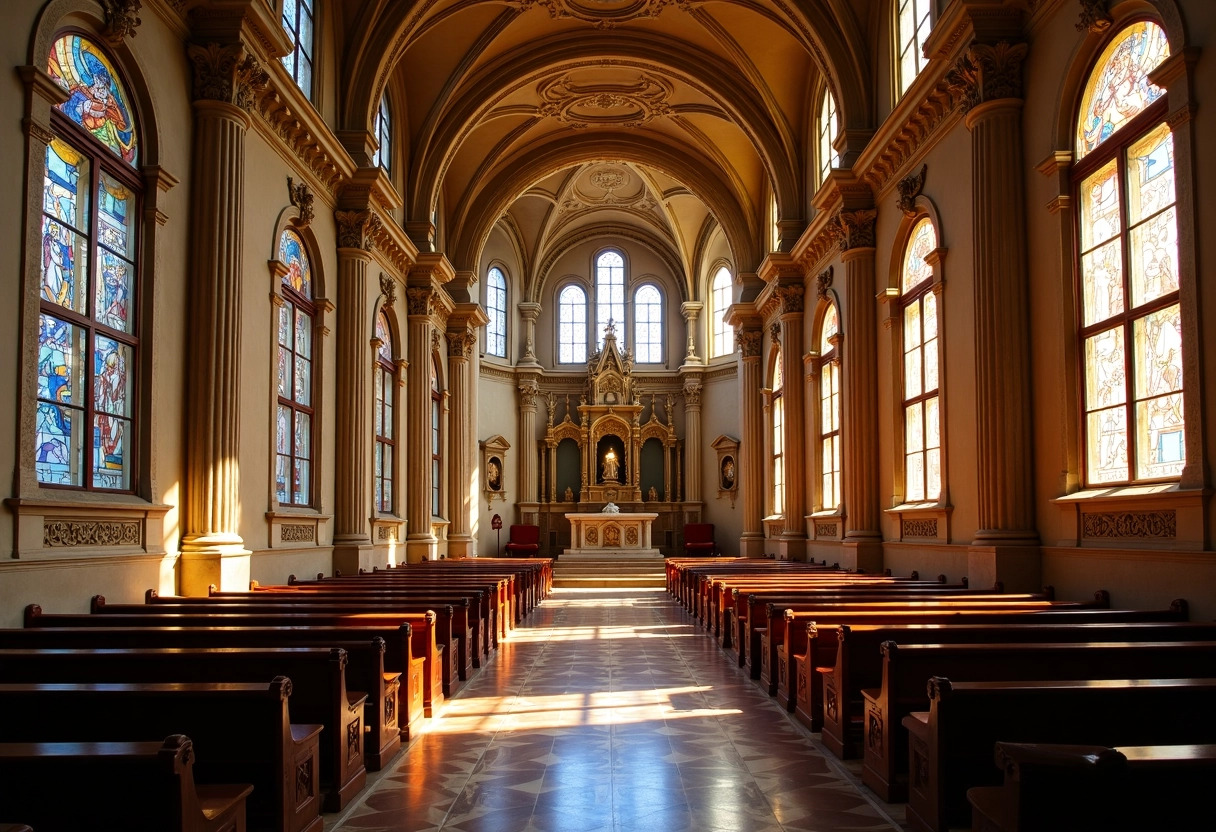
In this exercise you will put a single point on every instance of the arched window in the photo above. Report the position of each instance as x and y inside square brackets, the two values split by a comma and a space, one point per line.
[383, 130]
[294, 419]
[829, 411]
[778, 425]
[912, 26]
[496, 309]
[609, 295]
[572, 325]
[828, 157]
[385, 393]
[436, 442]
[298, 20]
[647, 325]
[922, 412]
[719, 299]
[1130, 329]
[88, 328]
[774, 229]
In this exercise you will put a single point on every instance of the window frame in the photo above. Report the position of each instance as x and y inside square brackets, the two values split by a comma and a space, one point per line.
[826, 160]
[1115, 148]
[916, 41]
[827, 364]
[492, 311]
[382, 127]
[776, 429]
[102, 160]
[660, 348]
[436, 441]
[621, 324]
[297, 302]
[385, 401]
[574, 344]
[916, 295]
[292, 28]
[721, 333]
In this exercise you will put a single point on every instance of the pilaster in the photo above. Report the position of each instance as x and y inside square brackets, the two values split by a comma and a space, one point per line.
[529, 311]
[748, 340]
[693, 385]
[462, 340]
[691, 310]
[226, 78]
[528, 391]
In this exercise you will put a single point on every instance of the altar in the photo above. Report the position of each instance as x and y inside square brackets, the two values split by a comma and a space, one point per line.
[622, 535]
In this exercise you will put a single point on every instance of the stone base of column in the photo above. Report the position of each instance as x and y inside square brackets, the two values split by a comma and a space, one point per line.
[462, 546]
[751, 545]
[791, 547]
[861, 554]
[350, 556]
[207, 561]
[420, 548]
[1018, 567]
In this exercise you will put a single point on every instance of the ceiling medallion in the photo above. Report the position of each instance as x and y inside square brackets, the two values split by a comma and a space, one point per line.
[606, 14]
[605, 105]
[609, 179]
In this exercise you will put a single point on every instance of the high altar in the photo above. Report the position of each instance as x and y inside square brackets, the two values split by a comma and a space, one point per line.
[625, 534]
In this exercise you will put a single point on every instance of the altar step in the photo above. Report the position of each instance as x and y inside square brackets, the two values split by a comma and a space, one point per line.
[624, 573]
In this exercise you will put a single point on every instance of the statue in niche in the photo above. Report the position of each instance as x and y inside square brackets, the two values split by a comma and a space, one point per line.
[653, 494]
[569, 495]
[493, 475]
[611, 466]
[728, 473]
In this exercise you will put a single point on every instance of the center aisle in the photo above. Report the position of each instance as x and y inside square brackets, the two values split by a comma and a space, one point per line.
[609, 710]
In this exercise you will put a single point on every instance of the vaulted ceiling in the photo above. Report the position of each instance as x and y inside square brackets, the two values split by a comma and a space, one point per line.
[672, 119]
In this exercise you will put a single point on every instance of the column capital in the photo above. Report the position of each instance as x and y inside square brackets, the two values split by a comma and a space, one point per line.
[461, 343]
[528, 310]
[987, 72]
[692, 393]
[227, 73]
[853, 229]
[690, 309]
[528, 391]
[356, 229]
[748, 341]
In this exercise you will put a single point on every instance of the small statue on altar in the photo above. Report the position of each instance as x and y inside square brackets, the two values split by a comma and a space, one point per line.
[612, 508]
[611, 466]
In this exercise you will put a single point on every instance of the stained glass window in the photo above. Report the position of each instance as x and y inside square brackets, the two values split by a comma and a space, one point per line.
[778, 437]
[496, 309]
[298, 17]
[609, 296]
[829, 411]
[647, 325]
[295, 409]
[436, 446]
[84, 425]
[720, 300]
[572, 326]
[913, 26]
[385, 391]
[921, 402]
[383, 130]
[1130, 329]
[828, 158]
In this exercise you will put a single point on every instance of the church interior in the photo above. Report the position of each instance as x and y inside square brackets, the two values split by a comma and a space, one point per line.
[902, 287]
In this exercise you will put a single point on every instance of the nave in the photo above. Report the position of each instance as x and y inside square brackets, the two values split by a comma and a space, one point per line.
[609, 710]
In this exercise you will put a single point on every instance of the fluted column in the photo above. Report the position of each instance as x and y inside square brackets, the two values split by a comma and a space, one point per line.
[353, 439]
[225, 81]
[692, 435]
[461, 343]
[751, 455]
[528, 391]
[793, 537]
[859, 492]
[420, 542]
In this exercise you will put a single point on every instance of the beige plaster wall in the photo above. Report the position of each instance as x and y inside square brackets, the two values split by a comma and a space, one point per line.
[498, 414]
[719, 416]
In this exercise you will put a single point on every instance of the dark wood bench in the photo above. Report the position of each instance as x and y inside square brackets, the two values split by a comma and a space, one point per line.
[396, 661]
[133, 786]
[1085, 788]
[318, 677]
[425, 631]
[950, 746]
[814, 657]
[242, 732]
[907, 668]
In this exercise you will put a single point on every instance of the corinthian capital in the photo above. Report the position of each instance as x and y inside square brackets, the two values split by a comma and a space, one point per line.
[790, 297]
[987, 72]
[748, 342]
[528, 391]
[461, 343]
[227, 73]
[356, 228]
[854, 229]
[420, 300]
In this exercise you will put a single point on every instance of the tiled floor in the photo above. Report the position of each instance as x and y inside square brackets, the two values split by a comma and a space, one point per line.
[609, 711]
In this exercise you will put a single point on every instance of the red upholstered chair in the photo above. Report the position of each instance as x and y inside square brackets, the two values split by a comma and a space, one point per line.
[524, 542]
[699, 539]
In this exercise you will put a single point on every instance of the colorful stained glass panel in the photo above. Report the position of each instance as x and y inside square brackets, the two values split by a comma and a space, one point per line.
[294, 255]
[830, 327]
[303, 334]
[1150, 163]
[96, 99]
[384, 336]
[911, 326]
[64, 259]
[1105, 376]
[1119, 88]
[1158, 340]
[916, 270]
[58, 445]
[284, 372]
[60, 361]
[1102, 283]
[115, 206]
[303, 381]
[1106, 437]
[114, 287]
[1101, 215]
[112, 381]
[62, 197]
[1154, 258]
[1160, 444]
[111, 467]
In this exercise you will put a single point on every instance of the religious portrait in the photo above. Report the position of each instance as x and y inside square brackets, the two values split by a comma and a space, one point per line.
[494, 474]
[728, 472]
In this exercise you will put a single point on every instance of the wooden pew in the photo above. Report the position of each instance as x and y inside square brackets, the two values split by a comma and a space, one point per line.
[1086, 788]
[242, 732]
[812, 649]
[396, 657]
[907, 668]
[424, 628]
[951, 745]
[319, 690]
[133, 786]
